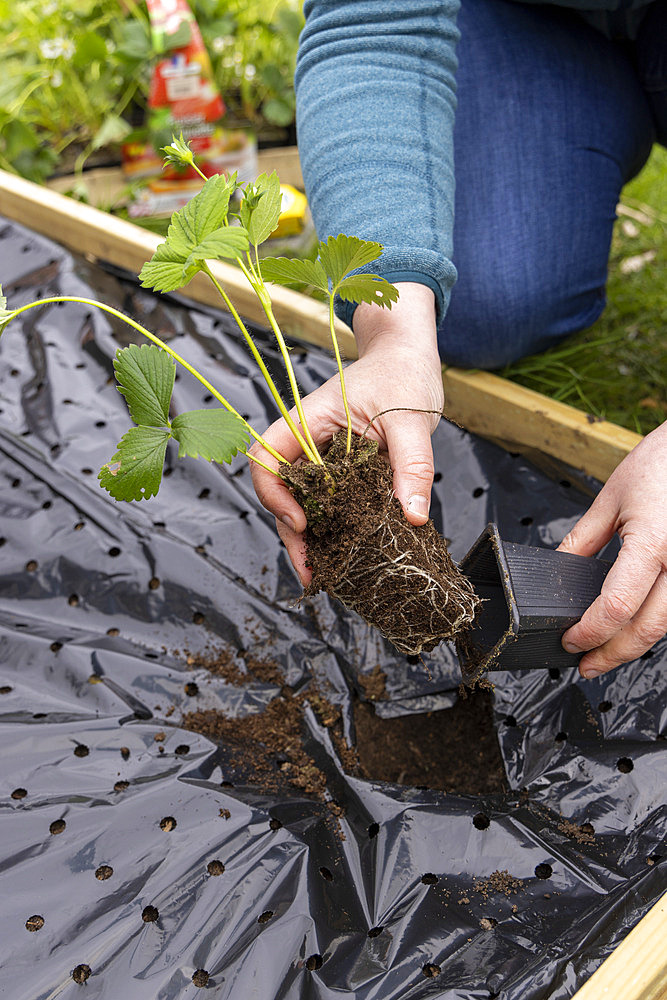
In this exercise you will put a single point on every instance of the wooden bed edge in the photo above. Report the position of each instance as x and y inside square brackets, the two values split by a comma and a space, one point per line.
[637, 968]
[481, 402]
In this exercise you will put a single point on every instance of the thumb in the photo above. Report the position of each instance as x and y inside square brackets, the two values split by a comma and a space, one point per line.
[408, 438]
[593, 530]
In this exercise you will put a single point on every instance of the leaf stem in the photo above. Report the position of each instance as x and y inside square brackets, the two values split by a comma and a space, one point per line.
[165, 347]
[334, 341]
[262, 367]
[262, 293]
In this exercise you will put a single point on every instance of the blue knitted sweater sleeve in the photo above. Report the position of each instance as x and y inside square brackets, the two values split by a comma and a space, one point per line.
[375, 86]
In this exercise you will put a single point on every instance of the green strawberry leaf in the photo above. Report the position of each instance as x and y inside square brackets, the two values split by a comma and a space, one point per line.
[286, 271]
[202, 215]
[368, 288]
[342, 254]
[145, 377]
[166, 270]
[172, 266]
[230, 241]
[215, 435]
[261, 207]
[135, 471]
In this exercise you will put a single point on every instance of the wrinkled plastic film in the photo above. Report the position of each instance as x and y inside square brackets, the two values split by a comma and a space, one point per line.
[99, 602]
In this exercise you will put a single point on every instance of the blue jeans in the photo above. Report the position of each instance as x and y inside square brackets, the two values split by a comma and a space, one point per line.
[552, 121]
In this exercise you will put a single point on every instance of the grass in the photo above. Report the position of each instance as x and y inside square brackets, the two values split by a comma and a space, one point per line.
[617, 369]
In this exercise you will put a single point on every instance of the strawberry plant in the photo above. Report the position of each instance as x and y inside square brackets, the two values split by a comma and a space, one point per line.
[350, 544]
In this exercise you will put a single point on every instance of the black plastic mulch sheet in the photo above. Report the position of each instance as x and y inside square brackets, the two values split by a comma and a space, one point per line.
[97, 598]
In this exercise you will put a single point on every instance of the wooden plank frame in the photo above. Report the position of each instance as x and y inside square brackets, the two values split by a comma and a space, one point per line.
[488, 405]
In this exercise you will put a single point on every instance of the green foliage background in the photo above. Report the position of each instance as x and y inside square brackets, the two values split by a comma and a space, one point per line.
[75, 73]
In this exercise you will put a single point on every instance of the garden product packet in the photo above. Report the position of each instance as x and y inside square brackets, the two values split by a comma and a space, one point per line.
[183, 100]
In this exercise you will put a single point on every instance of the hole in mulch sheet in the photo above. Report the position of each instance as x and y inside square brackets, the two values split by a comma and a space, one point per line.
[375, 932]
[200, 977]
[150, 914]
[120, 786]
[314, 962]
[478, 492]
[191, 689]
[625, 765]
[560, 737]
[605, 706]
[34, 923]
[264, 917]
[431, 970]
[182, 749]
[19, 793]
[81, 750]
[103, 872]
[31, 566]
[275, 824]
[168, 823]
[215, 867]
[58, 826]
[73, 600]
[55, 646]
[326, 874]
[429, 879]
[153, 583]
[373, 830]
[81, 973]
[481, 821]
[198, 618]
[543, 870]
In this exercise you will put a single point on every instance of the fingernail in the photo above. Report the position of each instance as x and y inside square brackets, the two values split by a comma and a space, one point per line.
[571, 647]
[418, 504]
[289, 522]
[591, 672]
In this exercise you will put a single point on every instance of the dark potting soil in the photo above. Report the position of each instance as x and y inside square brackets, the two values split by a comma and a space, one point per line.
[453, 750]
[362, 550]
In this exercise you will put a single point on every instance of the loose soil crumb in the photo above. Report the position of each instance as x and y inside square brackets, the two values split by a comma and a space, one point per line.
[452, 750]
[374, 684]
[363, 550]
[269, 743]
[221, 663]
[583, 834]
[498, 881]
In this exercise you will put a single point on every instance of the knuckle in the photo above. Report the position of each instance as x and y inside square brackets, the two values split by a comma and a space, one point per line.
[419, 468]
[616, 607]
[648, 632]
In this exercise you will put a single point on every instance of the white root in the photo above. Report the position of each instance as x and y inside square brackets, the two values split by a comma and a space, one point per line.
[371, 582]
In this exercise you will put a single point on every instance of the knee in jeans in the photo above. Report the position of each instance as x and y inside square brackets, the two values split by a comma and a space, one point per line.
[491, 327]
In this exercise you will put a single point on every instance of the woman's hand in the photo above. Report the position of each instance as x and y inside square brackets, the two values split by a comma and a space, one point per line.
[630, 614]
[398, 366]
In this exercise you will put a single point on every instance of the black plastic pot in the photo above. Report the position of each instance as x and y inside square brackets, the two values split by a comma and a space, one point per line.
[530, 597]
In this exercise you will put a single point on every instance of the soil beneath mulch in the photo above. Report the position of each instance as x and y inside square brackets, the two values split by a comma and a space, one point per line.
[452, 750]
[362, 549]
